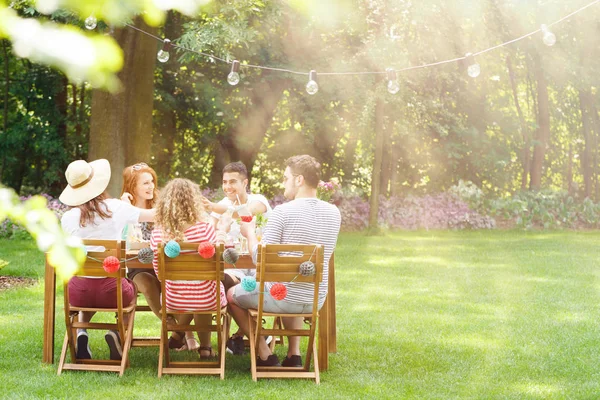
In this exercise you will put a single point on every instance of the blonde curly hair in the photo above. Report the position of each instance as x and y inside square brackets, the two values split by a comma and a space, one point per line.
[179, 205]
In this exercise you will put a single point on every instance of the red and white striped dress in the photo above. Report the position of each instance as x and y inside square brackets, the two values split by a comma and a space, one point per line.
[190, 295]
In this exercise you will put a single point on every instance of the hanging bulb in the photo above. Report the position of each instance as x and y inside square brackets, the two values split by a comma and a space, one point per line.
[91, 22]
[548, 37]
[473, 68]
[392, 86]
[163, 54]
[312, 87]
[234, 77]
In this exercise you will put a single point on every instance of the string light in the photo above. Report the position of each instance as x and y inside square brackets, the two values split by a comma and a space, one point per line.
[473, 68]
[548, 37]
[234, 77]
[163, 54]
[91, 22]
[392, 86]
[312, 86]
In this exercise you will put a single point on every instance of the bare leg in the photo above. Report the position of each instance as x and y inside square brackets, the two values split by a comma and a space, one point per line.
[240, 315]
[149, 286]
[293, 341]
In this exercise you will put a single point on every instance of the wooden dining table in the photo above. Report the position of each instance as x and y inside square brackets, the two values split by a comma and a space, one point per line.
[326, 342]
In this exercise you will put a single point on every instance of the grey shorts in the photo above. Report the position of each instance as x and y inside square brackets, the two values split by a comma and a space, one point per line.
[248, 300]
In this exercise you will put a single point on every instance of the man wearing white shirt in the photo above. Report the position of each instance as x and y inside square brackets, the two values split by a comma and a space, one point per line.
[235, 186]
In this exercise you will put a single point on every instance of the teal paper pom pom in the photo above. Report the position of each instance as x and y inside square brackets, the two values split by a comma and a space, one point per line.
[230, 256]
[307, 268]
[248, 283]
[172, 249]
[146, 255]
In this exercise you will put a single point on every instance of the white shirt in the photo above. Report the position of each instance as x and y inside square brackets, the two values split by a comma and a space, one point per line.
[250, 199]
[107, 229]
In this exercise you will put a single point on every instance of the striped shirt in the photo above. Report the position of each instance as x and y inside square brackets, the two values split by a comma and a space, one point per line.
[304, 221]
[190, 295]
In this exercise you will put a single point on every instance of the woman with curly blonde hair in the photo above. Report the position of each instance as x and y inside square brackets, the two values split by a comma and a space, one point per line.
[180, 216]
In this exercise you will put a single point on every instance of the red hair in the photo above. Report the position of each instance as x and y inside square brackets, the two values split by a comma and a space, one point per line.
[131, 176]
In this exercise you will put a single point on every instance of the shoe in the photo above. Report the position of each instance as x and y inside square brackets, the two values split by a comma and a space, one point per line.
[269, 339]
[271, 361]
[235, 345]
[114, 345]
[191, 344]
[83, 346]
[293, 361]
[177, 343]
[211, 352]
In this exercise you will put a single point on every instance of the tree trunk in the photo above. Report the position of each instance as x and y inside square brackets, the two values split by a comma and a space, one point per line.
[543, 131]
[586, 168]
[349, 156]
[376, 172]
[83, 137]
[524, 130]
[121, 123]
[60, 101]
[6, 93]
[386, 164]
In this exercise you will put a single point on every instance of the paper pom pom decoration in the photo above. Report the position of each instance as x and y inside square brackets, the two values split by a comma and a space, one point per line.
[278, 291]
[248, 283]
[231, 256]
[111, 264]
[246, 218]
[206, 250]
[146, 255]
[307, 268]
[172, 249]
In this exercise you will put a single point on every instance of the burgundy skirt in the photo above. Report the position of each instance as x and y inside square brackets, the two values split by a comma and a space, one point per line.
[99, 293]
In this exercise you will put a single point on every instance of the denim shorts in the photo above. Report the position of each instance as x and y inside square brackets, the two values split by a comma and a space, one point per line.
[248, 300]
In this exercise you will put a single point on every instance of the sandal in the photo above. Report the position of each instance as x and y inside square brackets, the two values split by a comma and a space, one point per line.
[190, 345]
[209, 349]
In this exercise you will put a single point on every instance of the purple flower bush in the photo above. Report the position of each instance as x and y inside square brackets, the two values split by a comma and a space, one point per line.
[11, 230]
[441, 211]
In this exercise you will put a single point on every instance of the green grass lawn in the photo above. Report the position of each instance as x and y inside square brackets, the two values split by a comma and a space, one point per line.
[423, 315]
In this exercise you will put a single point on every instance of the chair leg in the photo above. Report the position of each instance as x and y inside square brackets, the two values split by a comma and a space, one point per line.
[317, 377]
[251, 336]
[63, 354]
[222, 351]
[127, 343]
[161, 351]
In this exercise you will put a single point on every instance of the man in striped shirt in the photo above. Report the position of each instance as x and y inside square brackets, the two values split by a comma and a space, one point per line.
[304, 220]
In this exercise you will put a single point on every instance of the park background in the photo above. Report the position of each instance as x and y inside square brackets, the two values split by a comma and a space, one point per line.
[475, 202]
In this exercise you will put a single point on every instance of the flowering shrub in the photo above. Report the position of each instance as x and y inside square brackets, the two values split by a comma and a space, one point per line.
[9, 229]
[442, 211]
[468, 192]
[326, 190]
[546, 209]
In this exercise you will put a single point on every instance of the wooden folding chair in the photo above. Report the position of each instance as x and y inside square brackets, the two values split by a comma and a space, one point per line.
[281, 263]
[93, 267]
[190, 266]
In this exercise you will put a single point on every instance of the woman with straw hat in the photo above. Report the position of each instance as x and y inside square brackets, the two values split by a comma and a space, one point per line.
[94, 215]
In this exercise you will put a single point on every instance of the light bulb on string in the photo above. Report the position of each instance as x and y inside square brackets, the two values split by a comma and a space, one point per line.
[91, 22]
[163, 54]
[548, 37]
[392, 86]
[234, 77]
[473, 69]
[312, 87]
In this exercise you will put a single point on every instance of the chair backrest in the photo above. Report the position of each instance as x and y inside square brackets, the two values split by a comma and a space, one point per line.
[93, 266]
[102, 249]
[190, 266]
[281, 263]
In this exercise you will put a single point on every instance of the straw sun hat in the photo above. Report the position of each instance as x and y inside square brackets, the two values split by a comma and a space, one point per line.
[86, 181]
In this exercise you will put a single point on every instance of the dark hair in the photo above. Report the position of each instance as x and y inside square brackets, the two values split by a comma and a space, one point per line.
[238, 167]
[307, 166]
[95, 206]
